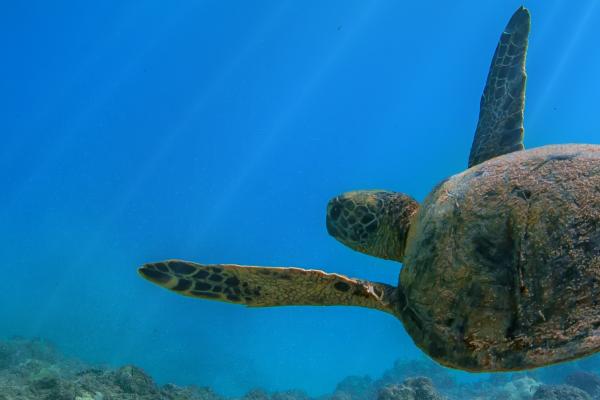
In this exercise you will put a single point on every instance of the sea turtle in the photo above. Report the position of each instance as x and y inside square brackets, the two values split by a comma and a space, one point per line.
[501, 261]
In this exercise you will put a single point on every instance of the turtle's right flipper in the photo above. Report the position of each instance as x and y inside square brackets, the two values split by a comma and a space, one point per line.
[268, 286]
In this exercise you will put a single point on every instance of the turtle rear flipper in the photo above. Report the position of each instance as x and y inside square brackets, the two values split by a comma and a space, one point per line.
[500, 127]
[268, 286]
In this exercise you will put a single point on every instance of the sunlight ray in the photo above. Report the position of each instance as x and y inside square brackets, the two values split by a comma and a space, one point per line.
[539, 107]
[78, 123]
[268, 142]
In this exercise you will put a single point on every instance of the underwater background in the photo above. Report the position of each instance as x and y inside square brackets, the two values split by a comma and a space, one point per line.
[216, 132]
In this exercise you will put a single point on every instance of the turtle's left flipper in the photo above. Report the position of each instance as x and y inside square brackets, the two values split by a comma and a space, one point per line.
[500, 127]
[268, 286]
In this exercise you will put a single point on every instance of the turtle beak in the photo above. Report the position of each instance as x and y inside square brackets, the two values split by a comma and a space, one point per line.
[151, 273]
[331, 228]
[334, 209]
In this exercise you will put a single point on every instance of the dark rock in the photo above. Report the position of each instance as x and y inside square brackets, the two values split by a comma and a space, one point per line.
[46, 381]
[201, 393]
[290, 395]
[33, 370]
[403, 370]
[256, 394]
[173, 392]
[420, 388]
[61, 391]
[134, 380]
[395, 392]
[560, 392]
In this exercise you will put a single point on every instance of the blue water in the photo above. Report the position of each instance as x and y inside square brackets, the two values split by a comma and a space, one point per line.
[217, 131]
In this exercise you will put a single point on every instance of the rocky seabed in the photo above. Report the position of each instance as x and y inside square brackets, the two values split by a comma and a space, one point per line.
[33, 369]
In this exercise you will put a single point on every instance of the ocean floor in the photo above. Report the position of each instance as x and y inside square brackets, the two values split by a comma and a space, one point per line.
[34, 369]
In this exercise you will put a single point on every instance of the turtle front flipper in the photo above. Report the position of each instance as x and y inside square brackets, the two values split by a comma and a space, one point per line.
[268, 286]
[500, 127]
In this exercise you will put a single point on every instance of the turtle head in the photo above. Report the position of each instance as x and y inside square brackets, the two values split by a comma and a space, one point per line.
[374, 222]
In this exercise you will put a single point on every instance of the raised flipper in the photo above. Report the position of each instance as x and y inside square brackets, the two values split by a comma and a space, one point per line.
[500, 127]
[268, 286]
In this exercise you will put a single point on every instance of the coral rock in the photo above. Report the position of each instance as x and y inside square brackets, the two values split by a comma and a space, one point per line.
[134, 380]
[519, 389]
[256, 394]
[560, 392]
[412, 389]
[290, 395]
[403, 370]
[355, 388]
[586, 381]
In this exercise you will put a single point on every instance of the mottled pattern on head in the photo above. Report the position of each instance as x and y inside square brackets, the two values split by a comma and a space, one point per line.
[374, 222]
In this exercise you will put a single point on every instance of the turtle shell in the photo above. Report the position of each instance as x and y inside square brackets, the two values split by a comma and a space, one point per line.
[502, 264]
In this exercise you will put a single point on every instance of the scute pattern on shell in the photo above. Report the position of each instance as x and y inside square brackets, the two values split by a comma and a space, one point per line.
[502, 267]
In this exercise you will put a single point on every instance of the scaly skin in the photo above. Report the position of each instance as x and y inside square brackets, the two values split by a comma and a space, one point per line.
[500, 125]
[374, 222]
[268, 286]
